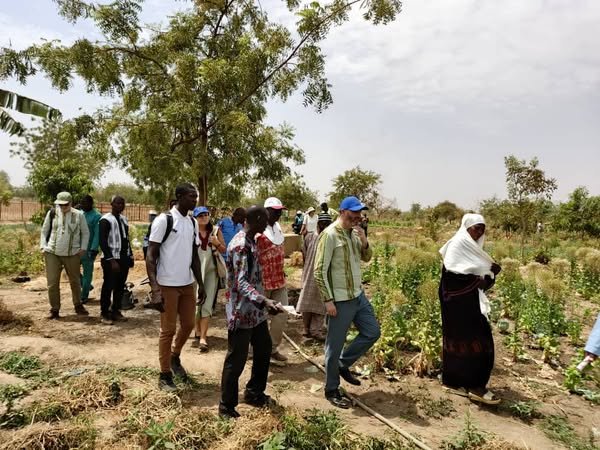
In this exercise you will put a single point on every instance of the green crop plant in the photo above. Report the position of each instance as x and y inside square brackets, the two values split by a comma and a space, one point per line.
[469, 437]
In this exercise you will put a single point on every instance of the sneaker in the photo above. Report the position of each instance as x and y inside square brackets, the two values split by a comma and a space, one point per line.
[106, 320]
[338, 400]
[53, 315]
[196, 342]
[347, 375]
[118, 317]
[177, 368]
[228, 413]
[259, 401]
[81, 311]
[165, 382]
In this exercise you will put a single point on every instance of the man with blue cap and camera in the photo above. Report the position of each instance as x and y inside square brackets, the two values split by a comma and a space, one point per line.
[341, 248]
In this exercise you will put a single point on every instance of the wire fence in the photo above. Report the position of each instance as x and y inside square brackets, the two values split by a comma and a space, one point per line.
[22, 210]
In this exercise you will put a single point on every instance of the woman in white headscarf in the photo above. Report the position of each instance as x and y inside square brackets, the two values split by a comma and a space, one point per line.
[468, 350]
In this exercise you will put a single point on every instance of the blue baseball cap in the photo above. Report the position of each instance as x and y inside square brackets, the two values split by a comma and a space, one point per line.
[200, 210]
[352, 204]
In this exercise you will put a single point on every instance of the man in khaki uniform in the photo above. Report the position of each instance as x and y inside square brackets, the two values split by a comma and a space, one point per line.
[63, 240]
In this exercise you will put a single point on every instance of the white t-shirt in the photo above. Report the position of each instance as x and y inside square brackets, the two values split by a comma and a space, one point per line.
[274, 234]
[175, 260]
[311, 222]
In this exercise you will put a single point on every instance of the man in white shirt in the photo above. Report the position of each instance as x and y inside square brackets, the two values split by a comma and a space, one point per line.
[172, 264]
[63, 240]
[310, 222]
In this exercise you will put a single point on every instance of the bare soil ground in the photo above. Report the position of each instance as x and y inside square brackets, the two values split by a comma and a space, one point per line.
[418, 405]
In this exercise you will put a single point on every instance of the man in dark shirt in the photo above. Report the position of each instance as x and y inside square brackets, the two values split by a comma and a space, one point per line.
[116, 260]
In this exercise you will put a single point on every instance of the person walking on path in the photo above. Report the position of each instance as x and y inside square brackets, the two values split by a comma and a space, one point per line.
[172, 264]
[231, 226]
[92, 217]
[211, 245]
[310, 303]
[340, 249]
[117, 259]
[64, 240]
[246, 309]
[468, 346]
[309, 223]
[271, 256]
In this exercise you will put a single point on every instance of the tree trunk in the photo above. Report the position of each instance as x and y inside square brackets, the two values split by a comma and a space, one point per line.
[203, 190]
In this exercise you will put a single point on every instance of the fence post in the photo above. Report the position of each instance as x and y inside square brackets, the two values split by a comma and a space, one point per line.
[22, 216]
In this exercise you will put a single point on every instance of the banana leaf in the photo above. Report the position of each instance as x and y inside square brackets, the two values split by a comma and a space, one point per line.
[10, 125]
[27, 105]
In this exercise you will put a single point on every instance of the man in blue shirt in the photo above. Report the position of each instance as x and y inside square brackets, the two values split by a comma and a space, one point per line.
[232, 226]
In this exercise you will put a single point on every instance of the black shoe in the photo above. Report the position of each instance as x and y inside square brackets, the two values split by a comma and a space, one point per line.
[228, 413]
[116, 316]
[349, 376]
[336, 398]
[81, 311]
[53, 315]
[177, 368]
[165, 382]
[259, 401]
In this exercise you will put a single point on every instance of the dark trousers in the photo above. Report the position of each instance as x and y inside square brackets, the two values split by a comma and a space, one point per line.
[235, 360]
[114, 284]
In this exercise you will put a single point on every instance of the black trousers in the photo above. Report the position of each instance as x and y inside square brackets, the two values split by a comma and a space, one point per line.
[113, 285]
[238, 342]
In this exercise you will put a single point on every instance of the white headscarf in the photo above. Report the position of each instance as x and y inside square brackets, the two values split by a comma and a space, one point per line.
[464, 255]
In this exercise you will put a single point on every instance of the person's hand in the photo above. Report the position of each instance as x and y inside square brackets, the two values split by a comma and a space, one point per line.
[330, 308]
[156, 296]
[201, 295]
[496, 268]
[361, 234]
[272, 308]
[213, 240]
[82, 252]
[114, 266]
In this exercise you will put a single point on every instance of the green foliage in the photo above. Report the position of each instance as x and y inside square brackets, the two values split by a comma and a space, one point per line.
[447, 211]
[24, 366]
[525, 410]
[6, 189]
[159, 435]
[322, 430]
[191, 96]
[292, 191]
[558, 429]
[363, 184]
[580, 214]
[470, 437]
[131, 194]
[19, 251]
[11, 392]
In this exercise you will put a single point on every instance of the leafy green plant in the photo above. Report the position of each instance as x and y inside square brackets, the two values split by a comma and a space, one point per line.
[469, 437]
[559, 429]
[159, 435]
[525, 410]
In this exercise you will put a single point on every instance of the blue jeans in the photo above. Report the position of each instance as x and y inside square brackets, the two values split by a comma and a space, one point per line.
[360, 312]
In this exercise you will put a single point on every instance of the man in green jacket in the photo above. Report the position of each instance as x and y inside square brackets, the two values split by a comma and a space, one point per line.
[64, 240]
[92, 217]
[340, 249]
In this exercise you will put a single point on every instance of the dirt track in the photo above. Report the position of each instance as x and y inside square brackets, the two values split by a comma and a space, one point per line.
[85, 342]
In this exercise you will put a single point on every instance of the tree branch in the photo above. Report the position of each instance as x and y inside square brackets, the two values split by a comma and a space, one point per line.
[288, 58]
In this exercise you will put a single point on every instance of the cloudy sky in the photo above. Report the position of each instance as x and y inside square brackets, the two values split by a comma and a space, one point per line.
[432, 102]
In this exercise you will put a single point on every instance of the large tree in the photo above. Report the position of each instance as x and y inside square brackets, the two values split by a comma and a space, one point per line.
[528, 187]
[6, 189]
[191, 96]
[292, 191]
[363, 184]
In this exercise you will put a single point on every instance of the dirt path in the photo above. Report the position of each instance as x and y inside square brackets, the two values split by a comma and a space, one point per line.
[419, 406]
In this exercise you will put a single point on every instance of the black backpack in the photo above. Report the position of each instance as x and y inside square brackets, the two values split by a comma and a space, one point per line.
[168, 230]
[52, 216]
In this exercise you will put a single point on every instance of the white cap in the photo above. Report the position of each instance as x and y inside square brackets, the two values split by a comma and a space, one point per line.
[309, 210]
[274, 202]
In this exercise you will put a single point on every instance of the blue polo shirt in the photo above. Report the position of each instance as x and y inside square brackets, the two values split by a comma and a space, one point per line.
[229, 230]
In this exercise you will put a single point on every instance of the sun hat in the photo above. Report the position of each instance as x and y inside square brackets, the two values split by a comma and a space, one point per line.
[200, 210]
[274, 203]
[352, 204]
[309, 210]
[63, 198]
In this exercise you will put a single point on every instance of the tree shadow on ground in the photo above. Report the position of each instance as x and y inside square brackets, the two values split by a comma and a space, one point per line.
[391, 405]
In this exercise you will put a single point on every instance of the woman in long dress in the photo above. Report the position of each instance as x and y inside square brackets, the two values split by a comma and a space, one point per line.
[310, 303]
[210, 242]
[468, 346]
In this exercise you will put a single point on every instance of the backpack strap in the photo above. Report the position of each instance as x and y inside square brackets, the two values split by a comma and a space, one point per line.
[52, 216]
[169, 227]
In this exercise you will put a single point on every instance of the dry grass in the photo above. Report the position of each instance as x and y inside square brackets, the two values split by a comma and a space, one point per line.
[43, 436]
[296, 259]
[9, 321]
